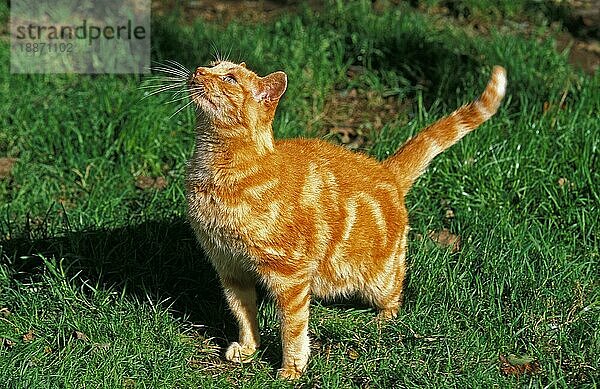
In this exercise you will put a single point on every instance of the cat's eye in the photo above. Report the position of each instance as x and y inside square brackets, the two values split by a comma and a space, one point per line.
[229, 79]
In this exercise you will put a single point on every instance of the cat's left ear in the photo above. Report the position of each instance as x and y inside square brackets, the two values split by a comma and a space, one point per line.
[271, 87]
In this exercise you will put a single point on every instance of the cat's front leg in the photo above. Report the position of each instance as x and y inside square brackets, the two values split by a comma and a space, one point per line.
[240, 293]
[293, 303]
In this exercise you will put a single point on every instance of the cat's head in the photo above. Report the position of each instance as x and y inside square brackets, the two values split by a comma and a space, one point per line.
[232, 95]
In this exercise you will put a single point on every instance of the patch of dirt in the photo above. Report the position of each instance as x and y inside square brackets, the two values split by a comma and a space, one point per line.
[6, 166]
[584, 54]
[352, 116]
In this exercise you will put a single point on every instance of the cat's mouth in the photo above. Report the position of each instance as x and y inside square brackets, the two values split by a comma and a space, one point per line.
[200, 98]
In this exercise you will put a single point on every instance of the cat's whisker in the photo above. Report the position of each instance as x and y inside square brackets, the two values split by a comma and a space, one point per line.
[176, 89]
[172, 71]
[179, 66]
[216, 55]
[198, 87]
[171, 75]
[166, 67]
[180, 91]
[167, 78]
[173, 100]
[182, 108]
[153, 94]
[161, 86]
[229, 53]
[170, 64]
[162, 89]
[219, 56]
[197, 92]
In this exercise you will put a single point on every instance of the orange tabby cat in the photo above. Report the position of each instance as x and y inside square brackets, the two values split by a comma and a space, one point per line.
[304, 217]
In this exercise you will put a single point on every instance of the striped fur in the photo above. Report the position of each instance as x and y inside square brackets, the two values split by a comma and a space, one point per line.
[411, 160]
[303, 217]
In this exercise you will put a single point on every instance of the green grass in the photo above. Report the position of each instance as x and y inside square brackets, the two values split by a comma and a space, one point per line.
[82, 249]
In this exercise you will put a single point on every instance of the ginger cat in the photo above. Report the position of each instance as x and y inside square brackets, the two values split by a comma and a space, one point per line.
[304, 217]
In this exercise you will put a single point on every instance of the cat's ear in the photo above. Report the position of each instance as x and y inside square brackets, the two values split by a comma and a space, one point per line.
[243, 64]
[271, 87]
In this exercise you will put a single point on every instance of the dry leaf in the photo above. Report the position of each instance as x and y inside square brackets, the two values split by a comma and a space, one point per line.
[345, 134]
[101, 346]
[518, 365]
[29, 336]
[449, 214]
[8, 343]
[144, 182]
[551, 106]
[565, 183]
[348, 137]
[4, 312]
[445, 238]
[353, 354]
[147, 182]
[6, 166]
[78, 335]
[546, 106]
[160, 183]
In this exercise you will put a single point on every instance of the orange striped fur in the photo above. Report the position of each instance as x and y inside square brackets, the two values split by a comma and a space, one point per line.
[304, 217]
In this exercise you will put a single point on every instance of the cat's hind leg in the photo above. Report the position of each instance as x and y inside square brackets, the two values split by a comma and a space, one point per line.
[241, 297]
[386, 290]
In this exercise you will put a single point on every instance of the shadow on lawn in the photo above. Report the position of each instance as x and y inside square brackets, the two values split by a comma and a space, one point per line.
[160, 259]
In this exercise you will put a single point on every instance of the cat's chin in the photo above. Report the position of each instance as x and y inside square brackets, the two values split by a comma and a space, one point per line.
[206, 106]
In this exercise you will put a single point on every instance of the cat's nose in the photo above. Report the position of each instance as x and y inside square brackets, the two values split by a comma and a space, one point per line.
[197, 75]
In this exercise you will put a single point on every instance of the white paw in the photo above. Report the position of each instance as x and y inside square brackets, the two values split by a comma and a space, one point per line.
[240, 354]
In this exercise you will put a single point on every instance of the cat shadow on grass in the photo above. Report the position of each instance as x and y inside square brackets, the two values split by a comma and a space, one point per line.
[159, 259]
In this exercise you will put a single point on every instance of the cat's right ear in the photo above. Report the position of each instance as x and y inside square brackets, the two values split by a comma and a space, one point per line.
[271, 87]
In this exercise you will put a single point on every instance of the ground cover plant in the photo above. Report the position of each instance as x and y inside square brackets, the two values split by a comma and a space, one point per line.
[103, 285]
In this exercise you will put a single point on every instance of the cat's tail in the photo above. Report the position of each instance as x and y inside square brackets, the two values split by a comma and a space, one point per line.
[411, 160]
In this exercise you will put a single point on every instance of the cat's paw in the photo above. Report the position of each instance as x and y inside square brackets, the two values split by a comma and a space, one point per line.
[387, 314]
[239, 353]
[289, 373]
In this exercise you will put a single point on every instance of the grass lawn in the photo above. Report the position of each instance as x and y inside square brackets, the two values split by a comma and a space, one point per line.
[103, 285]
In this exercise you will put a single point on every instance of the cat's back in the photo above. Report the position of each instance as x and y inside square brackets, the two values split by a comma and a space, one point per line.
[326, 158]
